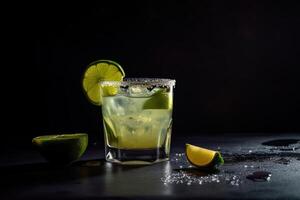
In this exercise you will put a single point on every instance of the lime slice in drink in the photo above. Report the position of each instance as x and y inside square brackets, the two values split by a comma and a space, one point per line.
[101, 70]
[159, 100]
[203, 158]
[61, 149]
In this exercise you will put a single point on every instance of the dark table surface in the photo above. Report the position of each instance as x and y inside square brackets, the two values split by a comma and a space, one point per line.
[25, 175]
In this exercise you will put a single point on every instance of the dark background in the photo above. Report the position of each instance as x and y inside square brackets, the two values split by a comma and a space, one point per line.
[236, 63]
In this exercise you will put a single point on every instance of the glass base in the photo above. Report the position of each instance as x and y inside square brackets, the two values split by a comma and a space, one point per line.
[135, 156]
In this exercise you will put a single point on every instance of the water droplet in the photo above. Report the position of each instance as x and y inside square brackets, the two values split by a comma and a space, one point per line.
[260, 176]
[283, 161]
[282, 142]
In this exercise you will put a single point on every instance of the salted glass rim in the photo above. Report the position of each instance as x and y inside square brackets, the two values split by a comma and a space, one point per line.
[159, 82]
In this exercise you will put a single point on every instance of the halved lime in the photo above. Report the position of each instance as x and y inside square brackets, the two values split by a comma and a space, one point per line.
[204, 158]
[61, 149]
[100, 70]
[159, 100]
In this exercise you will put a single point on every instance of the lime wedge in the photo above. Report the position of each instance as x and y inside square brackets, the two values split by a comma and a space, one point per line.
[159, 100]
[101, 70]
[61, 149]
[204, 158]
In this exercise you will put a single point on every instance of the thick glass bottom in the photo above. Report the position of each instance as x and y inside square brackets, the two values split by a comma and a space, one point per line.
[135, 156]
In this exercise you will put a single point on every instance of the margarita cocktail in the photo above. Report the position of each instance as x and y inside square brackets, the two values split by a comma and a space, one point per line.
[137, 119]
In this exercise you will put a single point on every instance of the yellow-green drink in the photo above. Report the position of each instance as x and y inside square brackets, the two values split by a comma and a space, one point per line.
[137, 118]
